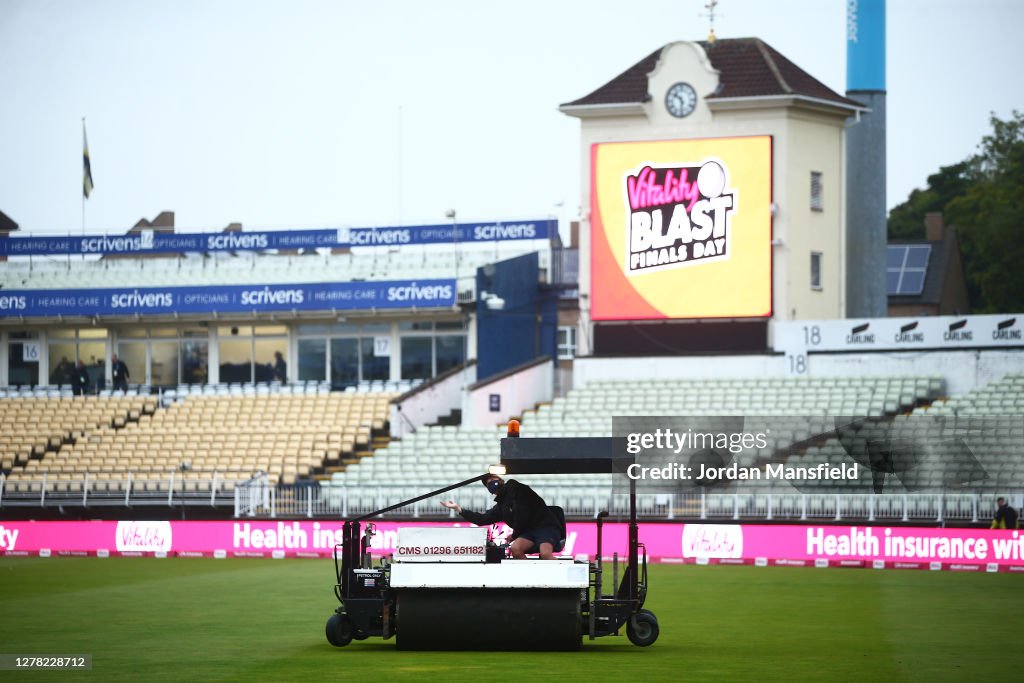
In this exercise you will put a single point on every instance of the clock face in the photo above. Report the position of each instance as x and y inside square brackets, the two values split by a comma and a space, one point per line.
[681, 100]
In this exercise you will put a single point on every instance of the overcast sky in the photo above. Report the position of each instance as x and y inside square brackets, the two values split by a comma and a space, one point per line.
[316, 114]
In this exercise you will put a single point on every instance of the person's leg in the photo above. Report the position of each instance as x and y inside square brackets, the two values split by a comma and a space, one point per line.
[547, 551]
[520, 547]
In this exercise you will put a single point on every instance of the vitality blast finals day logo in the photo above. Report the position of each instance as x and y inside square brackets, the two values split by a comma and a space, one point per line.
[678, 216]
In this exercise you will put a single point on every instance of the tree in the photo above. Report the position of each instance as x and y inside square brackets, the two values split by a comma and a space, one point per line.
[906, 221]
[983, 196]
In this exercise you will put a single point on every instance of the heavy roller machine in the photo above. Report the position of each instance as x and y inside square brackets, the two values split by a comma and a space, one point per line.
[449, 589]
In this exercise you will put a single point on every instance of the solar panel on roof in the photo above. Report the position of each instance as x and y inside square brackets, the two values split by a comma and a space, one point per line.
[892, 281]
[894, 256]
[912, 283]
[917, 256]
[906, 267]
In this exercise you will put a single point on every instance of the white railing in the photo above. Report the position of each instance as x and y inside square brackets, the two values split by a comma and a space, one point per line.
[214, 488]
[255, 496]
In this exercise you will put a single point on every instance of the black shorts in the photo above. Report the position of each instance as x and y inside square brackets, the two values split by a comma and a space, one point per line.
[544, 534]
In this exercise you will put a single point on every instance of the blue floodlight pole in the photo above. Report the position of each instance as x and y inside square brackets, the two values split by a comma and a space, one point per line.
[866, 234]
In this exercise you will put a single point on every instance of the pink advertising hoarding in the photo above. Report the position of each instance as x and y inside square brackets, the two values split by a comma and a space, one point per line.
[837, 546]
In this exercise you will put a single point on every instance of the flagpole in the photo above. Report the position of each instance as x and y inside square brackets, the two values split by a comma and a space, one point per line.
[84, 143]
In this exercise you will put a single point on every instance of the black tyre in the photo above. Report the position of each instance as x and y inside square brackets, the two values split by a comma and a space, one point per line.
[642, 628]
[339, 630]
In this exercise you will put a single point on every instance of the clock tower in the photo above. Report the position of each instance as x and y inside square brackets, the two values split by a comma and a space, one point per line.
[764, 241]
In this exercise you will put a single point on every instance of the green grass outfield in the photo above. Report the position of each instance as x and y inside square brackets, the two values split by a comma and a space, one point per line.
[178, 619]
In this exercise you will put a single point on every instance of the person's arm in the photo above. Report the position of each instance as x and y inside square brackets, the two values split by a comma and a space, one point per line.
[479, 518]
[482, 518]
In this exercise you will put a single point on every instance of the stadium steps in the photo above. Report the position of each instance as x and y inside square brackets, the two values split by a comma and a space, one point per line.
[452, 419]
[379, 439]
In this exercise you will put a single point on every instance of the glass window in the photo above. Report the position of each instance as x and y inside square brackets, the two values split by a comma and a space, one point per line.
[62, 363]
[195, 332]
[417, 362]
[163, 332]
[164, 365]
[345, 362]
[566, 343]
[22, 334]
[93, 354]
[19, 371]
[374, 367]
[92, 333]
[235, 360]
[195, 362]
[450, 351]
[134, 356]
[312, 360]
[61, 334]
[416, 325]
[815, 270]
[227, 331]
[271, 360]
[377, 328]
[267, 330]
[132, 332]
[450, 325]
[817, 192]
[312, 329]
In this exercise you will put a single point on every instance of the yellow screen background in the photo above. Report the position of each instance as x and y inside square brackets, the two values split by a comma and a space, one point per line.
[739, 286]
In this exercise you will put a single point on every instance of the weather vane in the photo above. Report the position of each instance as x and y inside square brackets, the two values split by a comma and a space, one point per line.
[710, 7]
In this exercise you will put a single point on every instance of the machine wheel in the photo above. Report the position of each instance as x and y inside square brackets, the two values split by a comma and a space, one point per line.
[642, 628]
[339, 630]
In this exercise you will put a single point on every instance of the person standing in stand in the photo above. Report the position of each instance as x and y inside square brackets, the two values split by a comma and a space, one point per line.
[1005, 517]
[119, 373]
[280, 368]
[80, 379]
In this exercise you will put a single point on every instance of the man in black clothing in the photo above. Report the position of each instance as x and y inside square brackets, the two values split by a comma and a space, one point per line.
[534, 526]
[80, 380]
[1005, 517]
[119, 373]
[280, 368]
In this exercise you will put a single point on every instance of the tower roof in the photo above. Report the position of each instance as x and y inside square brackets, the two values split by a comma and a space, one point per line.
[748, 67]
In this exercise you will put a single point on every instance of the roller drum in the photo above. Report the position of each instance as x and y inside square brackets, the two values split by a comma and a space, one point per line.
[489, 619]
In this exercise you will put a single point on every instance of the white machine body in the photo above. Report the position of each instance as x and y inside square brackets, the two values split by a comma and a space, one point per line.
[507, 574]
[441, 544]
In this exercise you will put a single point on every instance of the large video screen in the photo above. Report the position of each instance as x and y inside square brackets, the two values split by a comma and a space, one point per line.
[681, 229]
